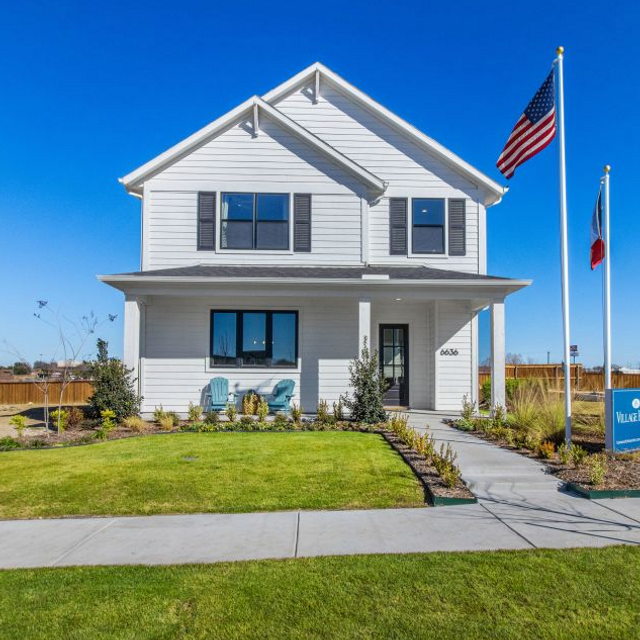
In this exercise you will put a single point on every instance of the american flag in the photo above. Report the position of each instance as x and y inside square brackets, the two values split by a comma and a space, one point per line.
[534, 130]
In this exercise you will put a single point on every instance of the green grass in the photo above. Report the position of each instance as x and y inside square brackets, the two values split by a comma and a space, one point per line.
[230, 472]
[521, 595]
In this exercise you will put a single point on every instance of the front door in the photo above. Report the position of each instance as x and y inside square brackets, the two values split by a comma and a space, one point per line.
[394, 362]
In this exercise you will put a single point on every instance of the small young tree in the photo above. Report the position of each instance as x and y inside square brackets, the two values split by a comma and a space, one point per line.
[113, 386]
[368, 386]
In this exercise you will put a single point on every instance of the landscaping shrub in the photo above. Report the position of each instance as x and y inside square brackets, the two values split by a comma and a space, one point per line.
[59, 418]
[194, 412]
[250, 402]
[296, 413]
[166, 422]
[546, 450]
[7, 443]
[246, 422]
[368, 386]
[19, 422]
[578, 454]
[211, 417]
[338, 409]
[113, 387]
[281, 422]
[135, 424]
[75, 417]
[564, 453]
[107, 425]
[468, 408]
[206, 427]
[322, 411]
[538, 412]
[263, 410]
[231, 412]
[597, 464]
[510, 386]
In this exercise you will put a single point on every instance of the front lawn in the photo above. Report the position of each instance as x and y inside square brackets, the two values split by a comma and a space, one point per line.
[521, 595]
[199, 472]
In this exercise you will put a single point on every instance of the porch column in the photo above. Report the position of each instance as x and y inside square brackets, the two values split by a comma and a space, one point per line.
[131, 346]
[497, 354]
[364, 324]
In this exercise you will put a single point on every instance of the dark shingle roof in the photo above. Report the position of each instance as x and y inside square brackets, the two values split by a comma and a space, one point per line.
[271, 273]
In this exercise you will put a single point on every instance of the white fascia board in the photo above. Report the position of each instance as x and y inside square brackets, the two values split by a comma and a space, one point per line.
[133, 181]
[327, 150]
[494, 191]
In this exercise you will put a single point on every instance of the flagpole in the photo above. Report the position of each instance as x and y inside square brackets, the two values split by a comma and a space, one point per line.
[564, 250]
[607, 283]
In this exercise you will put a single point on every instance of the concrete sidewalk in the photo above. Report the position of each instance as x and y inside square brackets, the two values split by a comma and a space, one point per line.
[520, 508]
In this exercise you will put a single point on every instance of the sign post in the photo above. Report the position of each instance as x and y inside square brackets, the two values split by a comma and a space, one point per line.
[622, 416]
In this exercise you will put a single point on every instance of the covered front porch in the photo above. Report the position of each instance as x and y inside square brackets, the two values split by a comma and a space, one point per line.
[183, 330]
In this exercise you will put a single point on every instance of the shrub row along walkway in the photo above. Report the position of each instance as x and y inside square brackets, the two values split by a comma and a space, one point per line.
[520, 508]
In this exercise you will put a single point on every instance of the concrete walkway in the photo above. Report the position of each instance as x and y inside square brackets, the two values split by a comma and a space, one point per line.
[520, 508]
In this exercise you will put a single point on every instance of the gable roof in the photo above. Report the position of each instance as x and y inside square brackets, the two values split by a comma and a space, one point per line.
[494, 190]
[134, 180]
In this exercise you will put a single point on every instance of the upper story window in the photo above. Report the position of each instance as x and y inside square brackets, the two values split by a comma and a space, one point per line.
[254, 221]
[428, 219]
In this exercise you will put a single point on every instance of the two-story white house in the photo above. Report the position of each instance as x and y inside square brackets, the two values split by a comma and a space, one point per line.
[281, 236]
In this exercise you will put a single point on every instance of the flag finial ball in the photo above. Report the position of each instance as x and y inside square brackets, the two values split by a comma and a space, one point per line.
[607, 168]
[560, 50]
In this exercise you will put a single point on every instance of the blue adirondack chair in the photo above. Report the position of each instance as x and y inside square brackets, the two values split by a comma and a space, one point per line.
[217, 395]
[280, 399]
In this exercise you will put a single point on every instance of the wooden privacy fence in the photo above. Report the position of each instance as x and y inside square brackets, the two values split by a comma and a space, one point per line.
[24, 392]
[554, 375]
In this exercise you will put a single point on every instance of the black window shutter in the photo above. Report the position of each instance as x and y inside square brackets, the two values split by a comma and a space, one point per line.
[457, 228]
[206, 221]
[302, 222]
[398, 226]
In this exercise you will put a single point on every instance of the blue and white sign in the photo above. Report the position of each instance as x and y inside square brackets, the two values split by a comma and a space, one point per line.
[623, 419]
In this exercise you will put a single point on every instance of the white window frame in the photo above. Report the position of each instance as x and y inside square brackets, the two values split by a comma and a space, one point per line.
[428, 256]
[262, 252]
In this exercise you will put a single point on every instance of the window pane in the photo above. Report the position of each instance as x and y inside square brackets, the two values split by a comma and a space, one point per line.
[236, 235]
[388, 337]
[223, 343]
[272, 235]
[284, 339]
[273, 206]
[428, 240]
[237, 206]
[428, 211]
[254, 339]
[387, 355]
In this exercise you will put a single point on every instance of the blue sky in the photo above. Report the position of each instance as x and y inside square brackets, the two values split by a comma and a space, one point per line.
[92, 90]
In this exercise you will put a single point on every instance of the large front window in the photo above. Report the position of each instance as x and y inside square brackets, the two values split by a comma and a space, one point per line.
[428, 225]
[254, 221]
[254, 338]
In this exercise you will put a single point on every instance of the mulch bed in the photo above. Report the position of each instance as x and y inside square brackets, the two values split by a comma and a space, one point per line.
[435, 488]
[623, 470]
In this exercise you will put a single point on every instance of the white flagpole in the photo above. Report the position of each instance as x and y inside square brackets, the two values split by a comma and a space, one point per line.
[607, 283]
[564, 250]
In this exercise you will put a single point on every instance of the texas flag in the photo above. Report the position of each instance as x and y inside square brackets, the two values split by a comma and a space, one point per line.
[597, 243]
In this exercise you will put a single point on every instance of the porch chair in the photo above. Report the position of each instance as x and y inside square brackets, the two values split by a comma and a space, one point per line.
[280, 399]
[217, 395]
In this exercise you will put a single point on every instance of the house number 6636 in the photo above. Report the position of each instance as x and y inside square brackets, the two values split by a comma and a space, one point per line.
[448, 352]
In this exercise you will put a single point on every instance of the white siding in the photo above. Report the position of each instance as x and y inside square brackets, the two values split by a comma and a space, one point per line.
[454, 372]
[410, 170]
[175, 367]
[416, 316]
[274, 161]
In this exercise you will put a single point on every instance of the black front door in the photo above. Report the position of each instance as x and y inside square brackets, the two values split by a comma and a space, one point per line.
[394, 362]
